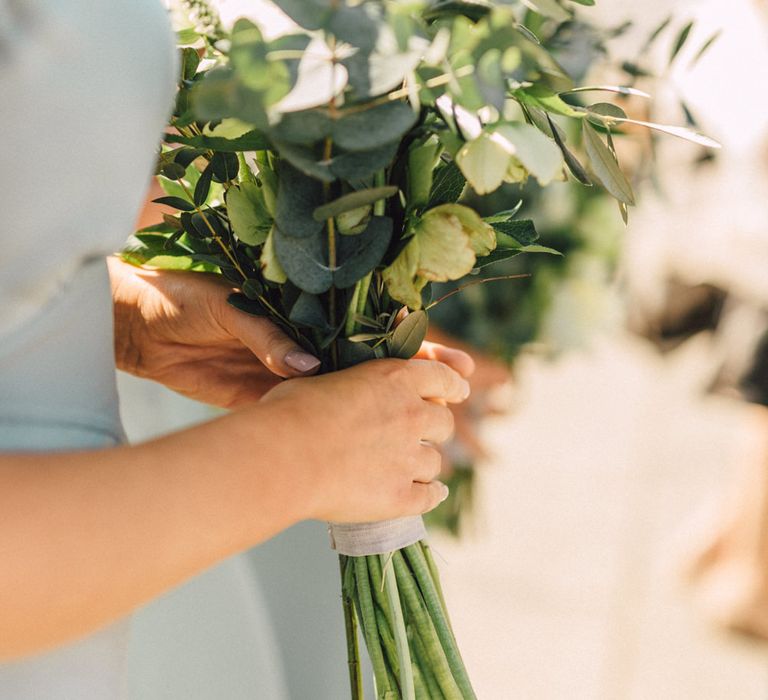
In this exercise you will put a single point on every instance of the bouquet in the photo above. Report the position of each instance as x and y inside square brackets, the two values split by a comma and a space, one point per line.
[321, 171]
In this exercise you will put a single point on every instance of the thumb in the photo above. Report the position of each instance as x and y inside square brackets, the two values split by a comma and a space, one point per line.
[276, 351]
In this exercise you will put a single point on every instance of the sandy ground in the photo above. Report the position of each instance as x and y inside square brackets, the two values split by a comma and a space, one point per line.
[569, 585]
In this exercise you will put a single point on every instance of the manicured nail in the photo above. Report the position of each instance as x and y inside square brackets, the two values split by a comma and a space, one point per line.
[302, 361]
[446, 491]
[466, 390]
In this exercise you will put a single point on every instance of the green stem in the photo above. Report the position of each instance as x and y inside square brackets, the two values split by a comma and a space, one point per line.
[351, 324]
[420, 653]
[423, 624]
[353, 653]
[427, 550]
[407, 689]
[437, 613]
[368, 622]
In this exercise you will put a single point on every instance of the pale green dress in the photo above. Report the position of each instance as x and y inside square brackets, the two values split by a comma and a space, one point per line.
[85, 89]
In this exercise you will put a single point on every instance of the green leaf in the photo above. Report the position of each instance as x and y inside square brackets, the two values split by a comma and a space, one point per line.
[513, 234]
[309, 14]
[249, 221]
[304, 261]
[308, 311]
[682, 37]
[225, 166]
[297, 198]
[587, 3]
[605, 166]
[705, 47]
[203, 186]
[353, 353]
[548, 8]
[542, 97]
[447, 186]
[175, 203]
[371, 128]
[270, 264]
[484, 161]
[358, 255]
[362, 164]
[408, 335]
[353, 200]
[250, 141]
[539, 154]
[623, 90]
[680, 132]
[252, 288]
[576, 168]
[249, 306]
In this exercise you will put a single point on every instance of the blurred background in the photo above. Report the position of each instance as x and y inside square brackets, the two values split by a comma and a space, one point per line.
[607, 537]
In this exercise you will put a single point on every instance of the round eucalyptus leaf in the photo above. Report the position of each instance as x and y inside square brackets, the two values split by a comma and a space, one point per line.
[358, 255]
[297, 198]
[370, 128]
[304, 261]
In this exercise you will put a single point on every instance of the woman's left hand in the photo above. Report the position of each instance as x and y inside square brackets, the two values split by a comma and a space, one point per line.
[177, 328]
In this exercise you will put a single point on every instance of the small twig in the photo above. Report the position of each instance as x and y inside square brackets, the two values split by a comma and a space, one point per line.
[472, 284]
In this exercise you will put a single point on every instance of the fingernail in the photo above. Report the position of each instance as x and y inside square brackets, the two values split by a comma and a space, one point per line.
[466, 391]
[446, 491]
[302, 361]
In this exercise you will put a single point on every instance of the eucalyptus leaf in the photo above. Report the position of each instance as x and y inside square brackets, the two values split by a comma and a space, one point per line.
[298, 196]
[371, 128]
[304, 260]
[308, 311]
[358, 255]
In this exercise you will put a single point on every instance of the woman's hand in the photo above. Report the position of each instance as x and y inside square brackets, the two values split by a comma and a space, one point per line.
[361, 442]
[177, 328]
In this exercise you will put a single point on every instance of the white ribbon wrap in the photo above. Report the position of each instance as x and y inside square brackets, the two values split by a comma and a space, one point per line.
[362, 539]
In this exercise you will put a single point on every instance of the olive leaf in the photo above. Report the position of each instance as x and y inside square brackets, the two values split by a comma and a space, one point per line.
[408, 335]
[606, 167]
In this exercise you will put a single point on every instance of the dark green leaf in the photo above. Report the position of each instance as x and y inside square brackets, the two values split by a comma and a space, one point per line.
[225, 166]
[175, 203]
[682, 37]
[305, 160]
[448, 185]
[358, 255]
[513, 234]
[352, 353]
[353, 200]
[409, 335]
[203, 186]
[310, 14]
[304, 261]
[252, 288]
[371, 128]
[173, 171]
[249, 306]
[297, 198]
[362, 164]
[250, 141]
[576, 168]
[308, 311]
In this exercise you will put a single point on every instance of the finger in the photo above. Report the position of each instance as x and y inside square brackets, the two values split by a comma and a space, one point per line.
[425, 497]
[435, 380]
[456, 359]
[429, 464]
[277, 352]
[438, 423]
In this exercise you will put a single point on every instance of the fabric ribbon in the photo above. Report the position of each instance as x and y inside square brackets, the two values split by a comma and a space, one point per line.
[362, 539]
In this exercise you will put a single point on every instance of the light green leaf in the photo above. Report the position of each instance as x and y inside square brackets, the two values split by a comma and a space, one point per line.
[353, 200]
[270, 265]
[539, 154]
[247, 214]
[400, 276]
[484, 161]
[605, 166]
[548, 8]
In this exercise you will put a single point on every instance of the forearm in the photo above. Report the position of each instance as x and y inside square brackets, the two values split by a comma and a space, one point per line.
[87, 537]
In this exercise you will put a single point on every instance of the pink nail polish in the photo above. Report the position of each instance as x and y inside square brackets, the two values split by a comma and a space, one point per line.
[301, 361]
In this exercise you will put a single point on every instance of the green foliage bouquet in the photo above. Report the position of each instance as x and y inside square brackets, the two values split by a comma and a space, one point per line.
[320, 173]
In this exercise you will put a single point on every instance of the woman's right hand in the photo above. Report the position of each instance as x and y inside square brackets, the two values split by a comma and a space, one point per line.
[361, 442]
